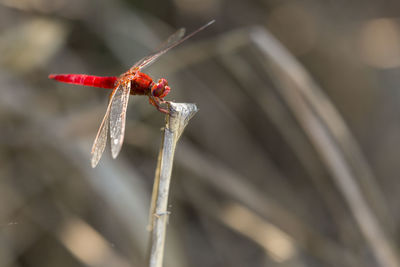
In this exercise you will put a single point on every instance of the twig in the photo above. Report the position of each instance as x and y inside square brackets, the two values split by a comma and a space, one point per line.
[176, 121]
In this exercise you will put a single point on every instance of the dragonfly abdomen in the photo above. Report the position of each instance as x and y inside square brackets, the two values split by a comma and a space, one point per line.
[88, 80]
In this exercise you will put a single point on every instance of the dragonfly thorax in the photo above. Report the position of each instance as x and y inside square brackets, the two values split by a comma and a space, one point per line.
[142, 84]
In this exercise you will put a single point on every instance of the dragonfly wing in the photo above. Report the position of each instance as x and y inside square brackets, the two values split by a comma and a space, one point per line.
[175, 37]
[101, 138]
[169, 44]
[119, 106]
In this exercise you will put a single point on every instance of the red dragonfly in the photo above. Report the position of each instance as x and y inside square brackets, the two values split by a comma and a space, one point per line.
[132, 82]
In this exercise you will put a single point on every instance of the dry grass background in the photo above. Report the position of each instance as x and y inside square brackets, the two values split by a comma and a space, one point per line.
[292, 159]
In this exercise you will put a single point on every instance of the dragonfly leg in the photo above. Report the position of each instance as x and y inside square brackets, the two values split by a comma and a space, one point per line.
[156, 102]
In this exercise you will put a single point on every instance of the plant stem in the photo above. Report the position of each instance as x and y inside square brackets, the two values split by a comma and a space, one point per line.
[175, 123]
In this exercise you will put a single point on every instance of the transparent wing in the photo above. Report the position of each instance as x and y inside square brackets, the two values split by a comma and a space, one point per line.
[171, 42]
[119, 105]
[101, 138]
[173, 38]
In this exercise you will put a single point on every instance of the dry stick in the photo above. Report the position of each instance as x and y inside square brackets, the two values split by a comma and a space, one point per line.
[176, 121]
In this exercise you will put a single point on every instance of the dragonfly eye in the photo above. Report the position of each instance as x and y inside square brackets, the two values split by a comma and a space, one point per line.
[160, 89]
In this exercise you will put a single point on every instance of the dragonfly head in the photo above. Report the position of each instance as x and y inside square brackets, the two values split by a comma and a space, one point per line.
[160, 89]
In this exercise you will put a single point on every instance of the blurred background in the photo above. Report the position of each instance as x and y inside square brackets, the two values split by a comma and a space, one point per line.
[292, 159]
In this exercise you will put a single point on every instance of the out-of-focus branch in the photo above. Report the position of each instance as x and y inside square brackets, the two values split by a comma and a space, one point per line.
[330, 137]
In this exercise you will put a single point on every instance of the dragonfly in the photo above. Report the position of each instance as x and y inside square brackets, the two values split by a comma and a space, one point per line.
[132, 82]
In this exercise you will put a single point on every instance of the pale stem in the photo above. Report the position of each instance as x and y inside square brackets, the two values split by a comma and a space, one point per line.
[175, 123]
